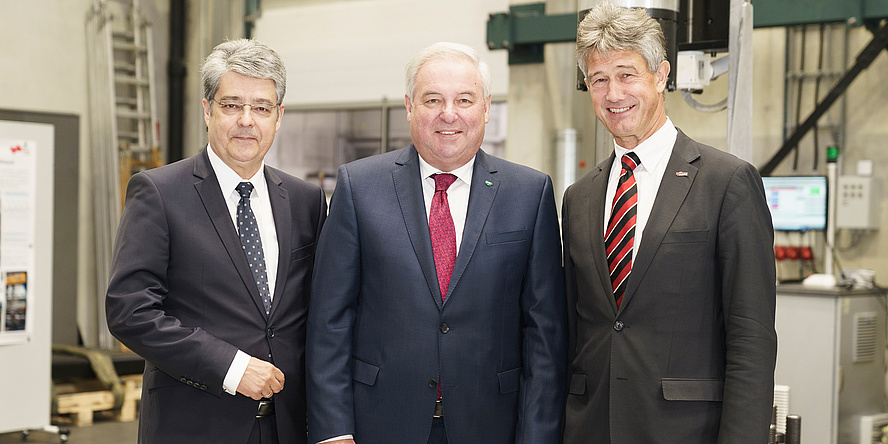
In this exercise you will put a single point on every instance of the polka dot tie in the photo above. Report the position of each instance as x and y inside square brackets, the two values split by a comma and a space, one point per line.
[252, 243]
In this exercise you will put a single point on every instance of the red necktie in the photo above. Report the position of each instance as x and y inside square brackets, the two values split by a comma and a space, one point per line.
[620, 235]
[442, 231]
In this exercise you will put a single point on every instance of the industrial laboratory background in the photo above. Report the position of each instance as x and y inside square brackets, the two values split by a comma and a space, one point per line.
[95, 91]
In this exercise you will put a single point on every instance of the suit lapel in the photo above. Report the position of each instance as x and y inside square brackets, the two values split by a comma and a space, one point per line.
[483, 189]
[673, 190]
[597, 192]
[408, 188]
[214, 204]
[280, 208]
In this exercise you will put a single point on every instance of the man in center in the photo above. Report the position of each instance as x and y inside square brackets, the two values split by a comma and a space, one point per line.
[438, 310]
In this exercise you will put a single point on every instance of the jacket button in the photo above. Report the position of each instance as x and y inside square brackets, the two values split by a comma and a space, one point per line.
[433, 383]
[270, 333]
[445, 328]
[183, 380]
[618, 325]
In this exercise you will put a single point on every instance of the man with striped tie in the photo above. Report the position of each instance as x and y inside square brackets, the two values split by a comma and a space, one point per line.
[668, 262]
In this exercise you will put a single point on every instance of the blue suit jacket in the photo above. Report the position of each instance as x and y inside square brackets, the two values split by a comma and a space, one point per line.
[379, 335]
[182, 296]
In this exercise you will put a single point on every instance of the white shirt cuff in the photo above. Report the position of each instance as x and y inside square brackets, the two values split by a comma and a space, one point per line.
[336, 438]
[235, 372]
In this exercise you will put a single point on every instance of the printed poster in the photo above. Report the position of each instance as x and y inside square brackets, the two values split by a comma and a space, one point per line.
[17, 204]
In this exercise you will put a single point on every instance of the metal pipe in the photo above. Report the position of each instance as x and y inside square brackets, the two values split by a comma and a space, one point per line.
[176, 72]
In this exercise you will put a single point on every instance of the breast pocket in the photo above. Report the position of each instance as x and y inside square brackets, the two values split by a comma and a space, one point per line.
[686, 236]
[302, 252]
[507, 237]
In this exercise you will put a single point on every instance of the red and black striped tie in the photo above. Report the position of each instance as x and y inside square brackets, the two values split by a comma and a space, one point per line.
[620, 235]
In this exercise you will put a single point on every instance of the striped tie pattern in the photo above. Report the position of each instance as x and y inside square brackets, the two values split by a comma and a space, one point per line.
[248, 230]
[620, 234]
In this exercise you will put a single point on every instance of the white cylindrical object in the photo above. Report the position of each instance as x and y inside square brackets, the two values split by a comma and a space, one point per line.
[566, 150]
[831, 188]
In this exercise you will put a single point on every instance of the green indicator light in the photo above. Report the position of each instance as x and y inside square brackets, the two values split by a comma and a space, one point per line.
[832, 153]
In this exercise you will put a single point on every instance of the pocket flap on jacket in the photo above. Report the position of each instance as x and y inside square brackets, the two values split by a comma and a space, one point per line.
[364, 372]
[577, 384]
[509, 380]
[678, 389]
[156, 378]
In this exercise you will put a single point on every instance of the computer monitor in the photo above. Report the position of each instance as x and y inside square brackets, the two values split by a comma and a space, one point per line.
[797, 203]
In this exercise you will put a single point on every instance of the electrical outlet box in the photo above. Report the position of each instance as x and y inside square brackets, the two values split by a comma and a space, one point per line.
[857, 202]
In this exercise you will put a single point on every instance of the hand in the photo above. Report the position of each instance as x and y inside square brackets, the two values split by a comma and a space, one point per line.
[260, 380]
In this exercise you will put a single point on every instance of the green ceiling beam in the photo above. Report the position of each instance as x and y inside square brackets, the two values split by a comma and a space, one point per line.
[770, 13]
[525, 29]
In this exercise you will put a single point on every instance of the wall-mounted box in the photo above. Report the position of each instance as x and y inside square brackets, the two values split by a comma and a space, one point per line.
[857, 202]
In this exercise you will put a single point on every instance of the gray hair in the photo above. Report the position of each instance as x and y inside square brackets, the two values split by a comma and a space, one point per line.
[245, 57]
[447, 51]
[608, 27]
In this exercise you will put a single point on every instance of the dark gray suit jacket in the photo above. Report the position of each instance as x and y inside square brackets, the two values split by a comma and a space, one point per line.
[182, 296]
[689, 356]
[379, 335]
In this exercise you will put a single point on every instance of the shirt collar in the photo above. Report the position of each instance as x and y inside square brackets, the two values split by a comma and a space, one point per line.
[651, 152]
[228, 179]
[463, 173]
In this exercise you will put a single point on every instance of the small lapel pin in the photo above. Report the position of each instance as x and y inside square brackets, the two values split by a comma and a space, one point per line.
[681, 174]
[488, 183]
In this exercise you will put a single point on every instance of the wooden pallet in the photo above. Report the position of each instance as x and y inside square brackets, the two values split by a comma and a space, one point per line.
[132, 385]
[81, 398]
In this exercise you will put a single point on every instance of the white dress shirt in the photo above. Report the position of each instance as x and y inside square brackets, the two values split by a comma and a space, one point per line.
[457, 193]
[261, 206]
[457, 199]
[654, 154]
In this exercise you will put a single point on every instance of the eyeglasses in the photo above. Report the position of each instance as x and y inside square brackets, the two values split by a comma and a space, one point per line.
[235, 108]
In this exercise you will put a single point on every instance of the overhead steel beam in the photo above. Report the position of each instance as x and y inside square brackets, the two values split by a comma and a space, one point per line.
[864, 59]
[525, 29]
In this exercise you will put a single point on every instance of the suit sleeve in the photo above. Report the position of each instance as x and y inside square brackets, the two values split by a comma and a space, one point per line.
[135, 299]
[331, 317]
[746, 257]
[545, 339]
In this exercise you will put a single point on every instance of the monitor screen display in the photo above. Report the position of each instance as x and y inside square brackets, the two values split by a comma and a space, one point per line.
[797, 203]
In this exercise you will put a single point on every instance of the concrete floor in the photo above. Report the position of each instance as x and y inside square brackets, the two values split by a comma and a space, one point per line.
[101, 432]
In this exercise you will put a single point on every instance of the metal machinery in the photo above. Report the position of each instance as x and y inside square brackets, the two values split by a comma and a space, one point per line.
[697, 26]
[831, 355]
[706, 25]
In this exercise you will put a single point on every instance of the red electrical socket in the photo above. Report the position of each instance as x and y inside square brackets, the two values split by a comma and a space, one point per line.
[779, 252]
[806, 254]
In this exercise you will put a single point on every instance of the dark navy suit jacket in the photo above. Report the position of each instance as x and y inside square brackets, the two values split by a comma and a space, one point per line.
[379, 335]
[182, 296]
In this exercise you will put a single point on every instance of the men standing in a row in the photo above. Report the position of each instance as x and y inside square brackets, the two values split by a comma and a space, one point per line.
[437, 308]
[669, 265]
[212, 270]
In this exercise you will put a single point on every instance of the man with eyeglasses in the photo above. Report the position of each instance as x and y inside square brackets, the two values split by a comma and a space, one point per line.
[212, 270]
